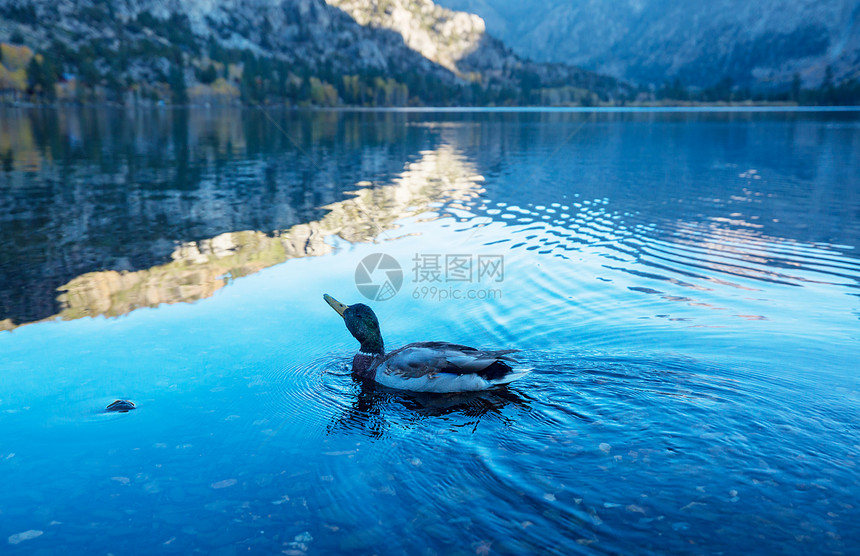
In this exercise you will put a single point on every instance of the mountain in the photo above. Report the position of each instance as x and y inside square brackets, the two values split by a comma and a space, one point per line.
[757, 44]
[356, 52]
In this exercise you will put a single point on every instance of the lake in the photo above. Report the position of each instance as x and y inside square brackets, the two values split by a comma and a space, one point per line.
[684, 284]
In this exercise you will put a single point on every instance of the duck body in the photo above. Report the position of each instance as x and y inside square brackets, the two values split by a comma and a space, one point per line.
[440, 367]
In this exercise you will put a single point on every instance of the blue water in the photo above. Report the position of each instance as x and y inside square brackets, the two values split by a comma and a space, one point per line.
[684, 284]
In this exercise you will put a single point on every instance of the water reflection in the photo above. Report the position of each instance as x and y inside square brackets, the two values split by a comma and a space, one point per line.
[103, 212]
[118, 227]
[376, 409]
[127, 209]
[198, 269]
[695, 208]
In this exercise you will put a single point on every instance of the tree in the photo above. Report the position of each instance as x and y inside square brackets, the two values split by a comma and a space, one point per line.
[678, 91]
[322, 93]
[828, 91]
[795, 88]
[176, 80]
[208, 75]
[49, 78]
[250, 84]
[115, 86]
[721, 91]
[89, 74]
[34, 75]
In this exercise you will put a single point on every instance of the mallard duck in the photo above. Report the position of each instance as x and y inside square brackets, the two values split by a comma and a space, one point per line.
[423, 366]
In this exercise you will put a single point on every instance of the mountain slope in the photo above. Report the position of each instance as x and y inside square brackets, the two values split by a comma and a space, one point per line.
[762, 43]
[299, 51]
[458, 41]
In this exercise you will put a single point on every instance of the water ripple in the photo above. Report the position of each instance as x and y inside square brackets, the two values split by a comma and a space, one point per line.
[709, 252]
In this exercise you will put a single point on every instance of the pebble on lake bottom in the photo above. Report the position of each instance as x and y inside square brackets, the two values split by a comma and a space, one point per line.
[18, 538]
[300, 543]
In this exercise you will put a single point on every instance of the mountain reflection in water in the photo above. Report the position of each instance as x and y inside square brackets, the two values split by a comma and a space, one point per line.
[104, 211]
[121, 219]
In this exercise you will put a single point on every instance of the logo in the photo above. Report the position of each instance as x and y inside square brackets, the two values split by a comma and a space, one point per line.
[378, 277]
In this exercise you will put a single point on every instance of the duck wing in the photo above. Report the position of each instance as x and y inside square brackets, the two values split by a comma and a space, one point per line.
[446, 367]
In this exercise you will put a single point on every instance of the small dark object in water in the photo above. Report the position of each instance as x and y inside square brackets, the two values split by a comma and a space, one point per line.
[121, 406]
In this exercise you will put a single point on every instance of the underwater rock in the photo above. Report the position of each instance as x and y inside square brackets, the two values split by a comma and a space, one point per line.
[18, 538]
[224, 484]
[120, 406]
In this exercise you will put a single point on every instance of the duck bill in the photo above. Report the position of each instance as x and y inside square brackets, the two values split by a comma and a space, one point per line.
[335, 304]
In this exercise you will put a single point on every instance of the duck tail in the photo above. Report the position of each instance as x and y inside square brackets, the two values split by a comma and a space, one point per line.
[512, 376]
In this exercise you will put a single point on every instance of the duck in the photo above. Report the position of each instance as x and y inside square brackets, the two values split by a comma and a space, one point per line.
[439, 367]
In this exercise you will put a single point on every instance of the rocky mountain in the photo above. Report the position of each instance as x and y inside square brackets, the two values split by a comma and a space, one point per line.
[356, 52]
[760, 44]
[442, 36]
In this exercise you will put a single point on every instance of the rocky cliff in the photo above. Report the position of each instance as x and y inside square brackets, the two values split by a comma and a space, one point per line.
[442, 36]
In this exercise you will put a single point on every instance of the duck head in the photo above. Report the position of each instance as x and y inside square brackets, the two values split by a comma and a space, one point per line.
[361, 323]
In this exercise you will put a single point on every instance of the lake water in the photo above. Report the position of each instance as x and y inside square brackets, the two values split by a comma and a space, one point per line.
[685, 285]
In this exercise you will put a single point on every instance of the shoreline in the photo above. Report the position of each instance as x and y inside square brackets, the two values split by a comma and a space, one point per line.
[645, 107]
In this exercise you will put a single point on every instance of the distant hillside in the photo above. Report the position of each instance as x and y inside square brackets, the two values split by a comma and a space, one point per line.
[759, 44]
[352, 52]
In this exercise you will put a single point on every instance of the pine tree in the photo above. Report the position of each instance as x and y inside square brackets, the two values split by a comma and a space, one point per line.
[795, 88]
[176, 80]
